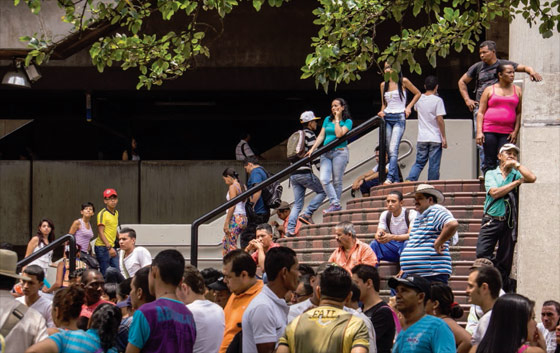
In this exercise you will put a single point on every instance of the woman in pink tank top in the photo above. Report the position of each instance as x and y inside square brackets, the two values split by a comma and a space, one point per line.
[81, 228]
[499, 115]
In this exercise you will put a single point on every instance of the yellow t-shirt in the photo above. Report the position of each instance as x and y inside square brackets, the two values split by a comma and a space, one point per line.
[111, 222]
[325, 329]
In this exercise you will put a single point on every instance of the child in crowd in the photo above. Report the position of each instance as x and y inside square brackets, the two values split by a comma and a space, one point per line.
[107, 224]
[431, 131]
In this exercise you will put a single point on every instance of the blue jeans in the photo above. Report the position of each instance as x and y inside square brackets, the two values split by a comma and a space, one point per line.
[395, 125]
[425, 151]
[390, 251]
[105, 260]
[367, 185]
[301, 182]
[333, 164]
[481, 157]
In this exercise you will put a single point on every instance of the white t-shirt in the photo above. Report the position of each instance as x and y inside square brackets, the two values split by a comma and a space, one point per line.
[549, 338]
[299, 308]
[44, 306]
[210, 324]
[481, 328]
[398, 224]
[264, 320]
[428, 108]
[138, 258]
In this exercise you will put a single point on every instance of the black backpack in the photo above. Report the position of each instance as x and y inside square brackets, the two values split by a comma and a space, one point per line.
[272, 194]
[390, 215]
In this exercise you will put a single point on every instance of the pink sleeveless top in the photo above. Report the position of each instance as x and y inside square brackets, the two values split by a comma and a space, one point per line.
[523, 348]
[83, 236]
[501, 113]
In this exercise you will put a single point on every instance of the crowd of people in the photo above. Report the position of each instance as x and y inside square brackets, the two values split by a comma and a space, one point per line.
[119, 299]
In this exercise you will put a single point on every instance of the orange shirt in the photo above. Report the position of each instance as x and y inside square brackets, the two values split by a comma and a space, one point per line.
[234, 310]
[361, 253]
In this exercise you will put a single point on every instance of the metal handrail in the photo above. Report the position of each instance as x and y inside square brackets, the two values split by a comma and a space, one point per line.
[353, 168]
[372, 123]
[51, 246]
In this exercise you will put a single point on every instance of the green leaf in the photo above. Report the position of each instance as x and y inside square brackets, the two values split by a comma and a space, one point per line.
[257, 4]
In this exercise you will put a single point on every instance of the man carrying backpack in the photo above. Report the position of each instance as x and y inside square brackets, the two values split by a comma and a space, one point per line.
[393, 228]
[257, 210]
[303, 178]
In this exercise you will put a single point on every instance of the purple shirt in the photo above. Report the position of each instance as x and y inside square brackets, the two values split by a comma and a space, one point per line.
[163, 326]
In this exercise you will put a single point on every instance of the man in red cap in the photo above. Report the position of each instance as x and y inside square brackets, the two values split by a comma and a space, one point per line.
[107, 223]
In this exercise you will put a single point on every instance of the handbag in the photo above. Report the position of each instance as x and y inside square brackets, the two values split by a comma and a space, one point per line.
[249, 210]
[89, 260]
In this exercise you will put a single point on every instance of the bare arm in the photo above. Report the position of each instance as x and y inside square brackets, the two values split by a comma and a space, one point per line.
[535, 76]
[282, 349]
[256, 196]
[101, 232]
[317, 143]
[462, 337]
[381, 113]
[362, 178]
[527, 177]
[441, 125]
[130, 348]
[125, 156]
[45, 346]
[74, 227]
[408, 85]
[339, 131]
[31, 246]
[463, 82]
[232, 193]
[513, 136]
[266, 347]
[359, 349]
[446, 233]
[59, 278]
[480, 115]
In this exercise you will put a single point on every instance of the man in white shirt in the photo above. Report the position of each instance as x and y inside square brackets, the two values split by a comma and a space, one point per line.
[243, 150]
[265, 318]
[131, 257]
[393, 228]
[208, 316]
[431, 131]
[550, 317]
[27, 325]
[31, 289]
[483, 289]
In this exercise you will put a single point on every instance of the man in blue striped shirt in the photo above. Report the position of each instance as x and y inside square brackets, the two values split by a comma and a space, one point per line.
[427, 252]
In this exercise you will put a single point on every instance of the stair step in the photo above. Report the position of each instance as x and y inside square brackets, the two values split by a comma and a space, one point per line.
[441, 185]
[365, 214]
[451, 198]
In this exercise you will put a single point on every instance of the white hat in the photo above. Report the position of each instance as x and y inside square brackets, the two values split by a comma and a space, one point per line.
[429, 189]
[8, 265]
[509, 146]
[307, 116]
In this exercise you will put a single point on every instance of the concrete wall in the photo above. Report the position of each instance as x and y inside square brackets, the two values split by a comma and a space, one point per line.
[538, 247]
[156, 192]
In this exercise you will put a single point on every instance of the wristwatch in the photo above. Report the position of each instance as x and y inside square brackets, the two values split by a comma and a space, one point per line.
[517, 165]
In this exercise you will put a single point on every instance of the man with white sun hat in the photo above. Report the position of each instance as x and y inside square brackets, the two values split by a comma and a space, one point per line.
[427, 252]
[20, 326]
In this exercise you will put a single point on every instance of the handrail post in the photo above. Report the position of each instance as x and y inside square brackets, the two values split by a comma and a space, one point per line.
[382, 152]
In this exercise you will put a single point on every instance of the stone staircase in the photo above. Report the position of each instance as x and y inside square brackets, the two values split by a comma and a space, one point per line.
[464, 198]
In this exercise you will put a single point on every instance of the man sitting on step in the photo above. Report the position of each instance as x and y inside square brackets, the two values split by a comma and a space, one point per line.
[393, 229]
[426, 253]
[350, 251]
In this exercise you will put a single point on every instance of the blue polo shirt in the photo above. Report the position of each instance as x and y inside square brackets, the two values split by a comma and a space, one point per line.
[258, 175]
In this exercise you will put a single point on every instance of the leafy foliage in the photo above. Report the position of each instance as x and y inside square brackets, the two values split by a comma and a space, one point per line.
[346, 44]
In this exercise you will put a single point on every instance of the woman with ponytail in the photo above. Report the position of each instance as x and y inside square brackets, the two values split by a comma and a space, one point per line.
[66, 308]
[441, 304]
[236, 218]
[99, 338]
[395, 111]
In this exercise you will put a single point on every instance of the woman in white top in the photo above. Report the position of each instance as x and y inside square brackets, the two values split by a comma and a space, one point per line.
[394, 110]
[236, 218]
[44, 236]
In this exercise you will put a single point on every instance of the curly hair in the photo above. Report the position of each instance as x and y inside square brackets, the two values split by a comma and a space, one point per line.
[106, 320]
[69, 302]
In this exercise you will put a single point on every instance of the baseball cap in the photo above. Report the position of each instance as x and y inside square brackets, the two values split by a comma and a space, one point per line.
[481, 262]
[108, 193]
[307, 116]
[415, 282]
[509, 146]
[218, 285]
[283, 206]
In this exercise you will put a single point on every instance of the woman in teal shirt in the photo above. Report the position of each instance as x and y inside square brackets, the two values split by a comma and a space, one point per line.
[333, 163]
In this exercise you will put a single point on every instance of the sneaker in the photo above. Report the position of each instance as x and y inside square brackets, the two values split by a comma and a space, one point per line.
[290, 235]
[332, 208]
[387, 182]
[306, 219]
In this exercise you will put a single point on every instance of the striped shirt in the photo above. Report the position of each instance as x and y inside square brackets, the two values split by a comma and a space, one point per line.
[78, 341]
[309, 142]
[419, 256]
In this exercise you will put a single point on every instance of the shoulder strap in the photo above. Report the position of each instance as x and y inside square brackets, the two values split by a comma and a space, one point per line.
[406, 219]
[243, 149]
[388, 220]
[15, 316]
